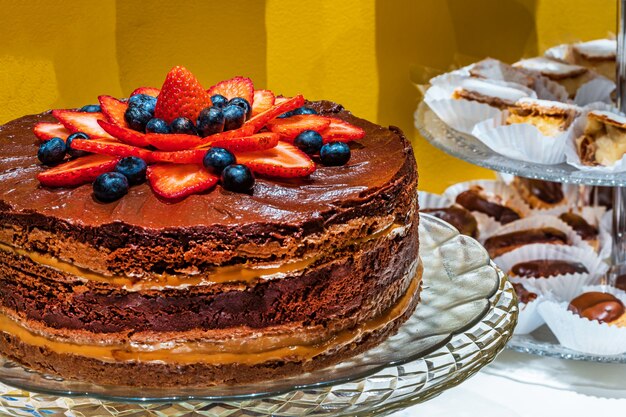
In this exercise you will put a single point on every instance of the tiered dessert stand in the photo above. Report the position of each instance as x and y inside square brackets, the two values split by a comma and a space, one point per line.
[466, 317]
[472, 150]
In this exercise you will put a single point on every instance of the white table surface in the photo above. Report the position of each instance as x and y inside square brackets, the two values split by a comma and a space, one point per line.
[521, 385]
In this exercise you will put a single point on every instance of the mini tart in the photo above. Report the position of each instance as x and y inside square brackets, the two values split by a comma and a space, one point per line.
[476, 199]
[599, 306]
[586, 231]
[539, 194]
[545, 268]
[570, 76]
[458, 217]
[597, 55]
[550, 117]
[603, 141]
[500, 244]
[494, 94]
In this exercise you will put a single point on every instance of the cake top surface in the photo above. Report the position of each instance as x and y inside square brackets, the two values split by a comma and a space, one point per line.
[376, 160]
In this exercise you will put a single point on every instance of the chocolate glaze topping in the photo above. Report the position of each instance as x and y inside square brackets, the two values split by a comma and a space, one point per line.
[526, 237]
[546, 191]
[600, 306]
[580, 225]
[523, 294]
[458, 217]
[473, 200]
[543, 268]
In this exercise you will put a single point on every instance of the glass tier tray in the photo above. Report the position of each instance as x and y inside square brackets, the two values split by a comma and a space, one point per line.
[470, 149]
[466, 317]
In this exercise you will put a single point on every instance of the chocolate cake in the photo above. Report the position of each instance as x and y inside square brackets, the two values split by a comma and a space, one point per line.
[218, 288]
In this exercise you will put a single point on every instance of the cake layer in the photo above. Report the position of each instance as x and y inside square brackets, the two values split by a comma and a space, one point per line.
[141, 234]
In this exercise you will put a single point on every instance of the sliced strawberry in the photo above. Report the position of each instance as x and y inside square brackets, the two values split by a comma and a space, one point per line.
[235, 87]
[258, 142]
[284, 160]
[291, 127]
[124, 134]
[189, 156]
[181, 96]
[175, 182]
[341, 131]
[104, 147]
[78, 121]
[257, 122]
[47, 131]
[174, 141]
[77, 171]
[281, 99]
[263, 100]
[113, 109]
[149, 91]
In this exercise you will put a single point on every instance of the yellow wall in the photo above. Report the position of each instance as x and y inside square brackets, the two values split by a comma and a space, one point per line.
[365, 54]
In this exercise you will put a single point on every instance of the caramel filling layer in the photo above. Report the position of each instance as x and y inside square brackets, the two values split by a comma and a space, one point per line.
[292, 347]
[234, 273]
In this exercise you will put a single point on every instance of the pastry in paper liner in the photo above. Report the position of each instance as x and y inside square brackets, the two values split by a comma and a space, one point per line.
[563, 286]
[597, 90]
[529, 318]
[581, 334]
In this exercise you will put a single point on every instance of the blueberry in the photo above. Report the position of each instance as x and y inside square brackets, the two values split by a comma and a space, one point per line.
[234, 117]
[75, 153]
[243, 103]
[137, 118]
[216, 159]
[304, 110]
[133, 168]
[91, 108]
[144, 102]
[157, 125]
[183, 125]
[309, 142]
[219, 100]
[335, 154]
[237, 178]
[286, 114]
[110, 186]
[210, 121]
[52, 152]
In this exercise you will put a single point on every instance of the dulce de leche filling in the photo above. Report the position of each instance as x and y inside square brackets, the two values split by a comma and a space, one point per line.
[234, 273]
[293, 347]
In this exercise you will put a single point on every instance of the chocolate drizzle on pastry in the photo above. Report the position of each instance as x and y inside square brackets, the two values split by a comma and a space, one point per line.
[546, 191]
[543, 268]
[458, 217]
[580, 225]
[600, 306]
[498, 245]
[474, 200]
[523, 294]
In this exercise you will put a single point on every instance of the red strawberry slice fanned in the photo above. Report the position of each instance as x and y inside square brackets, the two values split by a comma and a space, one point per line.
[175, 182]
[181, 96]
[189, 156]
[260, 120]
[174, 141]
[78, 121]
[124, 134]
[104, 147]
[291, 127]
[47, 131]
[263, 100]
[284, 161]
[341, 131]
[113, 109]
[77, 171]
[258, 142]
[235, 87]
[149, 91]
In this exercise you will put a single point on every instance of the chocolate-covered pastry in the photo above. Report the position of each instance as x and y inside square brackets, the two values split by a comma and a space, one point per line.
[538, 193]
[501, 244]
[474, 200]
[523, 295]
[600, 306]
[586, 231]
[458, 217]
[620, 282]
[543, 268]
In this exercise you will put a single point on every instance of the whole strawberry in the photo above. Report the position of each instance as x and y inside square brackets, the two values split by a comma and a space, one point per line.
[181, 96]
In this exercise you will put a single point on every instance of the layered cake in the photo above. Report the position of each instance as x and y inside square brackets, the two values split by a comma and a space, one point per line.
[136, 255]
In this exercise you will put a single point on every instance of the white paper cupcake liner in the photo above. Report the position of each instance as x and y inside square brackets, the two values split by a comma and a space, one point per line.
[581, 334]
[529, 318]
[547, 89]
[452, 77]
[606, 235]
[563, 287]
[541, 221]
[597, 90]
[561, 52]
[428, 200]
[522, 141]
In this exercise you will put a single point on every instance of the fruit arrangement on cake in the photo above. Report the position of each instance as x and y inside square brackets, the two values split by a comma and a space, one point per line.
[193, 236]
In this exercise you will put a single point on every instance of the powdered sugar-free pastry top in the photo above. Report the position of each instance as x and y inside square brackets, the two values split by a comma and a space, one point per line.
[550, 117]
[599, 49]
[494, 93]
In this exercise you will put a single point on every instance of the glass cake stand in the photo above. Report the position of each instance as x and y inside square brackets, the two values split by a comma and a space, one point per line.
[466, 317]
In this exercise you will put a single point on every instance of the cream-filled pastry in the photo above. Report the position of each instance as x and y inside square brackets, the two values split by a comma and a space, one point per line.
[495, 94]
[551, 117]
[604, 139]
[570, 76]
